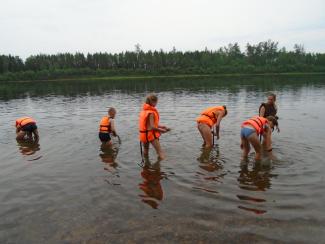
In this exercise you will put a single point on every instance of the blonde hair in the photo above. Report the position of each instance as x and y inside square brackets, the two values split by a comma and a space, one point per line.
[151, 98]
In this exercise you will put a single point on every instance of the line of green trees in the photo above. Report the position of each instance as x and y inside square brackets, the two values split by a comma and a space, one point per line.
[264, 57]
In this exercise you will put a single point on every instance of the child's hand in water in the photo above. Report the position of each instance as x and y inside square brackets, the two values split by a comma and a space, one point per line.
[272, 157]
[164, 129]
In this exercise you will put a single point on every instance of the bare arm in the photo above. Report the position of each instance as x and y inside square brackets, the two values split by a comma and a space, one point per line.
[267, 142]
[219, 117]
[161, 129]
[164, 127]
[36, 135]
[18, 128]
[262, 111]
[113, 128]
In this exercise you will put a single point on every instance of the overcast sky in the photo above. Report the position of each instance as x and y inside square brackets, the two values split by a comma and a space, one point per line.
[51, 26]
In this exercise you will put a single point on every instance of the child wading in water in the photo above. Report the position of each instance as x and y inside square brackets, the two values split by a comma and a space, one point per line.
[107, 128]
[210, 117]
[149, 127]
[269, 108]
[250, 131]
[26, 126]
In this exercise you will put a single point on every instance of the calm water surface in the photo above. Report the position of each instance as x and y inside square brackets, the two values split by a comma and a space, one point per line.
[67, 189]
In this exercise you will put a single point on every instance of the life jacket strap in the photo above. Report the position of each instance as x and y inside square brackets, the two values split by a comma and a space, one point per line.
[210, 117]
[260, 123]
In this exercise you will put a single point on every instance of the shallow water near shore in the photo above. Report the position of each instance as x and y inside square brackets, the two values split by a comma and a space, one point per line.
[66, 188]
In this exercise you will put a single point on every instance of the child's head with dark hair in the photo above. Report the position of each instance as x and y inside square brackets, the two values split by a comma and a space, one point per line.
[272, 121]
[226, 111]
[152, 99]
[271, 98]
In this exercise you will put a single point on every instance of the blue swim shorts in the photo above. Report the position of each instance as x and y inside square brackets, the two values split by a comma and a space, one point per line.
[245, 132]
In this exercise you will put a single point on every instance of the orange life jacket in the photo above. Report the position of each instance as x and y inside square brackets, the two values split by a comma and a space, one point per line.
[208, 117]
[258, 123]
[24, 121]
[105, 125]
[146, 135]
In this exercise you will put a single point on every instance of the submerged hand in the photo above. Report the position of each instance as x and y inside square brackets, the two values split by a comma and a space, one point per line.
[272, 157]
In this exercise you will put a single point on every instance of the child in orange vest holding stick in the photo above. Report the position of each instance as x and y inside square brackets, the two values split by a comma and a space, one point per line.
[251, 130]
[149, 127]
[26, 126]
[107, 128]
[209, 118]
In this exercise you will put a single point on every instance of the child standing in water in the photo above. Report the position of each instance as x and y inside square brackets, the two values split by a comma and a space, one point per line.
[209, 118]
[26, 126]
[250, 131]
[269, 108]
[149, 127]
[107, 128]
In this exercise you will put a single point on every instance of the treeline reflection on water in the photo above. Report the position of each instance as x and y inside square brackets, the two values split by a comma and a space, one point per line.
[70, 88]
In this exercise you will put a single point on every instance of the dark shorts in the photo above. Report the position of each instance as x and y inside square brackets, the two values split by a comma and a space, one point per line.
[29, 127]
[104, 137]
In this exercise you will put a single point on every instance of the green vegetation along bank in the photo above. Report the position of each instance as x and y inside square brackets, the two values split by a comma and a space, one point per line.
[262, 58]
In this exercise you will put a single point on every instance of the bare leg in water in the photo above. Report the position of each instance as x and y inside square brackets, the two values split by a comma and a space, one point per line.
[156, 144]
[205, 131]
[253, 139]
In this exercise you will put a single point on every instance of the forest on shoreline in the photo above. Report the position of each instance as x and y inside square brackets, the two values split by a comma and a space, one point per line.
[264, 57]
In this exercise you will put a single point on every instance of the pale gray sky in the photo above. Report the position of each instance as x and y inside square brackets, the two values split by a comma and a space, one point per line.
[52, 26]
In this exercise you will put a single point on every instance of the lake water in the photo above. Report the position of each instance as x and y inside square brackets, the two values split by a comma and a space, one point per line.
[67, 190]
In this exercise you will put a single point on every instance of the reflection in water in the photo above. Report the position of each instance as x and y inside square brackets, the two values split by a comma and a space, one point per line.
[211, 163]
[210, 159]
[108, 155]
[28, 148]
[11, 90]
[257, 178]
[230, 208]
[151, 185]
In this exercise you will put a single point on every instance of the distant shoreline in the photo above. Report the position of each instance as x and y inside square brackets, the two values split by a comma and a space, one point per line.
[177, 76]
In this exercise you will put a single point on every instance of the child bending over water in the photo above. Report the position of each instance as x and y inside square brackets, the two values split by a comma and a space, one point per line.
[250, 131]
[209, 118]
[26, 126]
